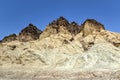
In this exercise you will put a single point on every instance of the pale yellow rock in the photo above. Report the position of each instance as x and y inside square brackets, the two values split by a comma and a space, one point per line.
[58, 51]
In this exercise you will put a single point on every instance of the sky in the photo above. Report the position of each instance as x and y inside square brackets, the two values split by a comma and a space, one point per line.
[17, 14]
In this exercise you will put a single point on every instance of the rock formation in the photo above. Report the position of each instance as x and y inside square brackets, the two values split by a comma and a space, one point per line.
[74, 28]
[63, 46]
[90, 26]
[61, 25]
[11, 37]
[29, 33]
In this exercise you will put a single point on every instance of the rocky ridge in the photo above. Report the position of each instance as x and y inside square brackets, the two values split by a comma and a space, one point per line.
[63, 45]
[29, 33]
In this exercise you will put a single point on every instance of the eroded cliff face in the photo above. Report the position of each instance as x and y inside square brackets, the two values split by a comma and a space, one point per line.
[63, 45]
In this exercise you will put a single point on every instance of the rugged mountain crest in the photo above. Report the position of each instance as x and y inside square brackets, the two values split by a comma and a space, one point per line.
[77, 51]
[61, 25]
[74, 28]
[90, 26]
[29, 33]
[61, 21]
[63, 44]
[11, 37]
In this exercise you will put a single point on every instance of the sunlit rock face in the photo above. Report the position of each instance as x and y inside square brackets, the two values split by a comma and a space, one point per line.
[63, 45]
[91, 26]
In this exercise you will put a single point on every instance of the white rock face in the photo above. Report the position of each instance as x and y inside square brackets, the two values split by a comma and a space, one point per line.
[101, 55]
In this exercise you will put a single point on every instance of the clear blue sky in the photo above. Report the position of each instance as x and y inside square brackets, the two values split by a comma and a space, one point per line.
[17, 14]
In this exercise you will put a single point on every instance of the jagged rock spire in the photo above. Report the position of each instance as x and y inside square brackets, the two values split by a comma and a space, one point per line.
[61, 21]
[29, 33]
[74, 28]
[61, 25]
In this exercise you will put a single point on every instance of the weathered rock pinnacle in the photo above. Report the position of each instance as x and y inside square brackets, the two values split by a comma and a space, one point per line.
[90, 26]
[29, 33]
